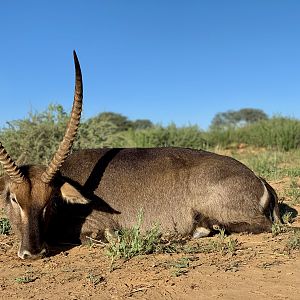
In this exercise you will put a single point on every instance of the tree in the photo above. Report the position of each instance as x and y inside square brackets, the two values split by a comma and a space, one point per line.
[121, 122]
[142, 124]
[238, 118]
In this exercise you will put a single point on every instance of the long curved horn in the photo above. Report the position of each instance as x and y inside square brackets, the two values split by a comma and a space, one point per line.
[10, 166]
[67, 142]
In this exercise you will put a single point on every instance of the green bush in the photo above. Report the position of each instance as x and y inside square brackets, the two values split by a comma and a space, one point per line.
[93, 134]
[37, 137]
[170, 136]
[4, 226]
[277, 132]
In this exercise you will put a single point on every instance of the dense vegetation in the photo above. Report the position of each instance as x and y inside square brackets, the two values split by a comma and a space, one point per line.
[35, 138]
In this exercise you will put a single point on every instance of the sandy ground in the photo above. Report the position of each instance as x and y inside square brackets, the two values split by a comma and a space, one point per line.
[260, 268]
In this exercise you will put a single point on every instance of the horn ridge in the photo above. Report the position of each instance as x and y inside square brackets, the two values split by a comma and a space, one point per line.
[71, 130]
[10, 166]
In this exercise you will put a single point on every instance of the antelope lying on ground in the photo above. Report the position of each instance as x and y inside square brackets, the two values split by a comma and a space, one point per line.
[87, 192]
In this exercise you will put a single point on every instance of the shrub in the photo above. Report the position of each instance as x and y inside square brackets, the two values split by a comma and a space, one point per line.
[277, 132]
[131, 242]
[170, 136]
[4, 226]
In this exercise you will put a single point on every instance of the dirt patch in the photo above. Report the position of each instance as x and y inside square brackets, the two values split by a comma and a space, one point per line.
[261, 267]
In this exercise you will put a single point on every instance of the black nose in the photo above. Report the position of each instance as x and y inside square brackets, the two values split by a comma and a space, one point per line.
[26, 255]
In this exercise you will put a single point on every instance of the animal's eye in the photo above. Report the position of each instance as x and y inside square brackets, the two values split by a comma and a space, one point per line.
[13, 198]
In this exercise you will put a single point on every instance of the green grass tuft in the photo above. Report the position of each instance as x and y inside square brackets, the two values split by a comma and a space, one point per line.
[25, 279]
[288, 217]
[293, 242]
[4, 226]
[131, 242]
[180, 266]
[224, 244]
[293, 192]
[278, 228]
[95, 279]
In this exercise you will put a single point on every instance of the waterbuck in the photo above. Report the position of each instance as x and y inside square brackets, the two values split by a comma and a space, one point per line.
[93, 190]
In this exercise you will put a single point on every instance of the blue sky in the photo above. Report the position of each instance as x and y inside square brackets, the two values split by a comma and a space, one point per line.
[163, 60]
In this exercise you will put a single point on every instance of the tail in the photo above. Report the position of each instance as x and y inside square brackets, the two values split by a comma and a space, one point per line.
[273, 207]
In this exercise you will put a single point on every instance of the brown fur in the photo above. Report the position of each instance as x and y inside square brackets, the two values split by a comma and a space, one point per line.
[170, 185]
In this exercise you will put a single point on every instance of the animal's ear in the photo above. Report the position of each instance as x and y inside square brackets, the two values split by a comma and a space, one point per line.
[71, 195]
